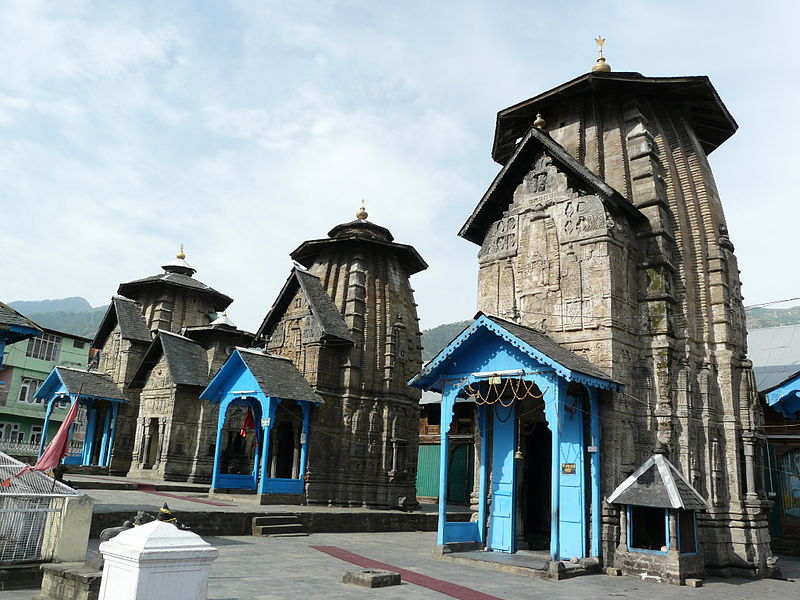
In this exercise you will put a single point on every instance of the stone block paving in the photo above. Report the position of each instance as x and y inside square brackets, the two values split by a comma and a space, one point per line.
[252, 568]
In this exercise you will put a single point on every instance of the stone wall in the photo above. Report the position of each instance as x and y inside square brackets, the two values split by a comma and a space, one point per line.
[118, 359]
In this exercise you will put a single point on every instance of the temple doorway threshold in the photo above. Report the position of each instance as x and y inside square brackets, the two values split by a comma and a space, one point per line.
[529, 563]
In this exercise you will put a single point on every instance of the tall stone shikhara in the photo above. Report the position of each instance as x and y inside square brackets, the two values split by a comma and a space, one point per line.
[349, 323]
[605, 230]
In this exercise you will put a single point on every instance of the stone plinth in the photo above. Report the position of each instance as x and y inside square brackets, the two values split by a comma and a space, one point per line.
[156, 560]
[372, 578]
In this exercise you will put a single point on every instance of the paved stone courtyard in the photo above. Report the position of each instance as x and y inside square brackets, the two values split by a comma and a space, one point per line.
[252, 568]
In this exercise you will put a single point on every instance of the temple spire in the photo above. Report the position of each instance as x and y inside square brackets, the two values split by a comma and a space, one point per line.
[602, 66]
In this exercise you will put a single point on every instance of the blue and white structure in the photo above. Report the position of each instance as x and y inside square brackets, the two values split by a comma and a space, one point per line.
[100, 400]
[539, 422]
[14, 327]
[281, 401]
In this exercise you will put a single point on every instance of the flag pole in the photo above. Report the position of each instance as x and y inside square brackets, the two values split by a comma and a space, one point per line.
[77, 399]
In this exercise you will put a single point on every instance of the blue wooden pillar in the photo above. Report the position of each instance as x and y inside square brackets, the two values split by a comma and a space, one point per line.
[256, 408]
[483, 470]
[46, 425]
[102, 459]
[271, 407]
[91, 429]
[449, 393]
[554, 419]
[594, 402]
[306, 406]
[223, 409]
[112, 429]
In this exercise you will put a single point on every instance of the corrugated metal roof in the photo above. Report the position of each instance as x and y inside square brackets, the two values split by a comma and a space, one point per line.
[32, 483]
[775, 352]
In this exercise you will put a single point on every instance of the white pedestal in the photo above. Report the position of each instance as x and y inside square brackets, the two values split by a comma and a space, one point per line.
[155, 561]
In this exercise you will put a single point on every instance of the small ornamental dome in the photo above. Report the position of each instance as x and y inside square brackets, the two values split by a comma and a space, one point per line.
[223, 320]
[180, 266]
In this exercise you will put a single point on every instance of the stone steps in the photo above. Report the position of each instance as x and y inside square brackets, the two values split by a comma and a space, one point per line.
[278, 525]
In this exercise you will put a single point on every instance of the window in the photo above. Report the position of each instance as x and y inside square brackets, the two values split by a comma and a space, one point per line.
[27, 389]
[44, 347]
[648, 528]
[79, 344]
[36, 434]
[9, 432]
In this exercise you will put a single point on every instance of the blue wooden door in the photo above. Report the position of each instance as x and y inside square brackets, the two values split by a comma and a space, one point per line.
[501, 517]
[572, 508]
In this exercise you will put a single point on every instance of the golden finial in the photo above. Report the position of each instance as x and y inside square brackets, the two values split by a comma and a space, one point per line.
[602, 66]
[362, 214]
[539, 123]
[180, 255]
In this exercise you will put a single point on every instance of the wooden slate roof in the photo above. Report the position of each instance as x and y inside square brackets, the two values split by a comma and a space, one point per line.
[706, 113]
[131, 321]
[547, 345]
[89, 383]
[539, 346]
[320, 303]
[9, 316]
[221, 301]
[657, 483]
[187, 360]
[500, 193]
[363, 234]
[278, 377]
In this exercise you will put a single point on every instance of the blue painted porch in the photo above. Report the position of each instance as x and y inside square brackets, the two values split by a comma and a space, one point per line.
[524, 386]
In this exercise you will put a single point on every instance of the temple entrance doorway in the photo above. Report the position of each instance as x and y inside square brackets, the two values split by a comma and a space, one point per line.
[285, 442]
[154, 444]
[535, 485]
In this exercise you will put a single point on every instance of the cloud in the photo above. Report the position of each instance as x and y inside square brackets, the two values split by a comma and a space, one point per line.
[242, 129]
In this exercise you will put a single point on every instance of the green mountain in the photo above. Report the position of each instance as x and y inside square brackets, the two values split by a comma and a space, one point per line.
[434, 340]
[69, 315]
[758, 317]
[76, 304]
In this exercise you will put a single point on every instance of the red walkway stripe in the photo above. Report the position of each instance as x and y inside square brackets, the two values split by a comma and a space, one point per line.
[149, 488]
[437, 585]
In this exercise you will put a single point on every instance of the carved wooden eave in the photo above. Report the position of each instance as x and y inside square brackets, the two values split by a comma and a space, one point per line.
[708, 116]
[500, 193]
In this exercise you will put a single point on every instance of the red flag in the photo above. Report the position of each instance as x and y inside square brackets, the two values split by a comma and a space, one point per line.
[57, 449]
[248, 423]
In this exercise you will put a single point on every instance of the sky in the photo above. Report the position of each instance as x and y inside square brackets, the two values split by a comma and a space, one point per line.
[241, 129]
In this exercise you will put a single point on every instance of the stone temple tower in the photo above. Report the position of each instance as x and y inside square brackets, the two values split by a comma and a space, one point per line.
[349, 322]
[605, 230]
[167, 301]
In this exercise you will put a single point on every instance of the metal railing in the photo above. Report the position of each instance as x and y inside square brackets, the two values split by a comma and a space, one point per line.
[29, 449]
[30, 513]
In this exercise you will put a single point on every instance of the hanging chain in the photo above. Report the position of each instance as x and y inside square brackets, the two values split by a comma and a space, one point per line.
[523, 389]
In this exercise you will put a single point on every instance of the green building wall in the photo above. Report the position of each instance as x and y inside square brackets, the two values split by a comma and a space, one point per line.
[17, 366]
